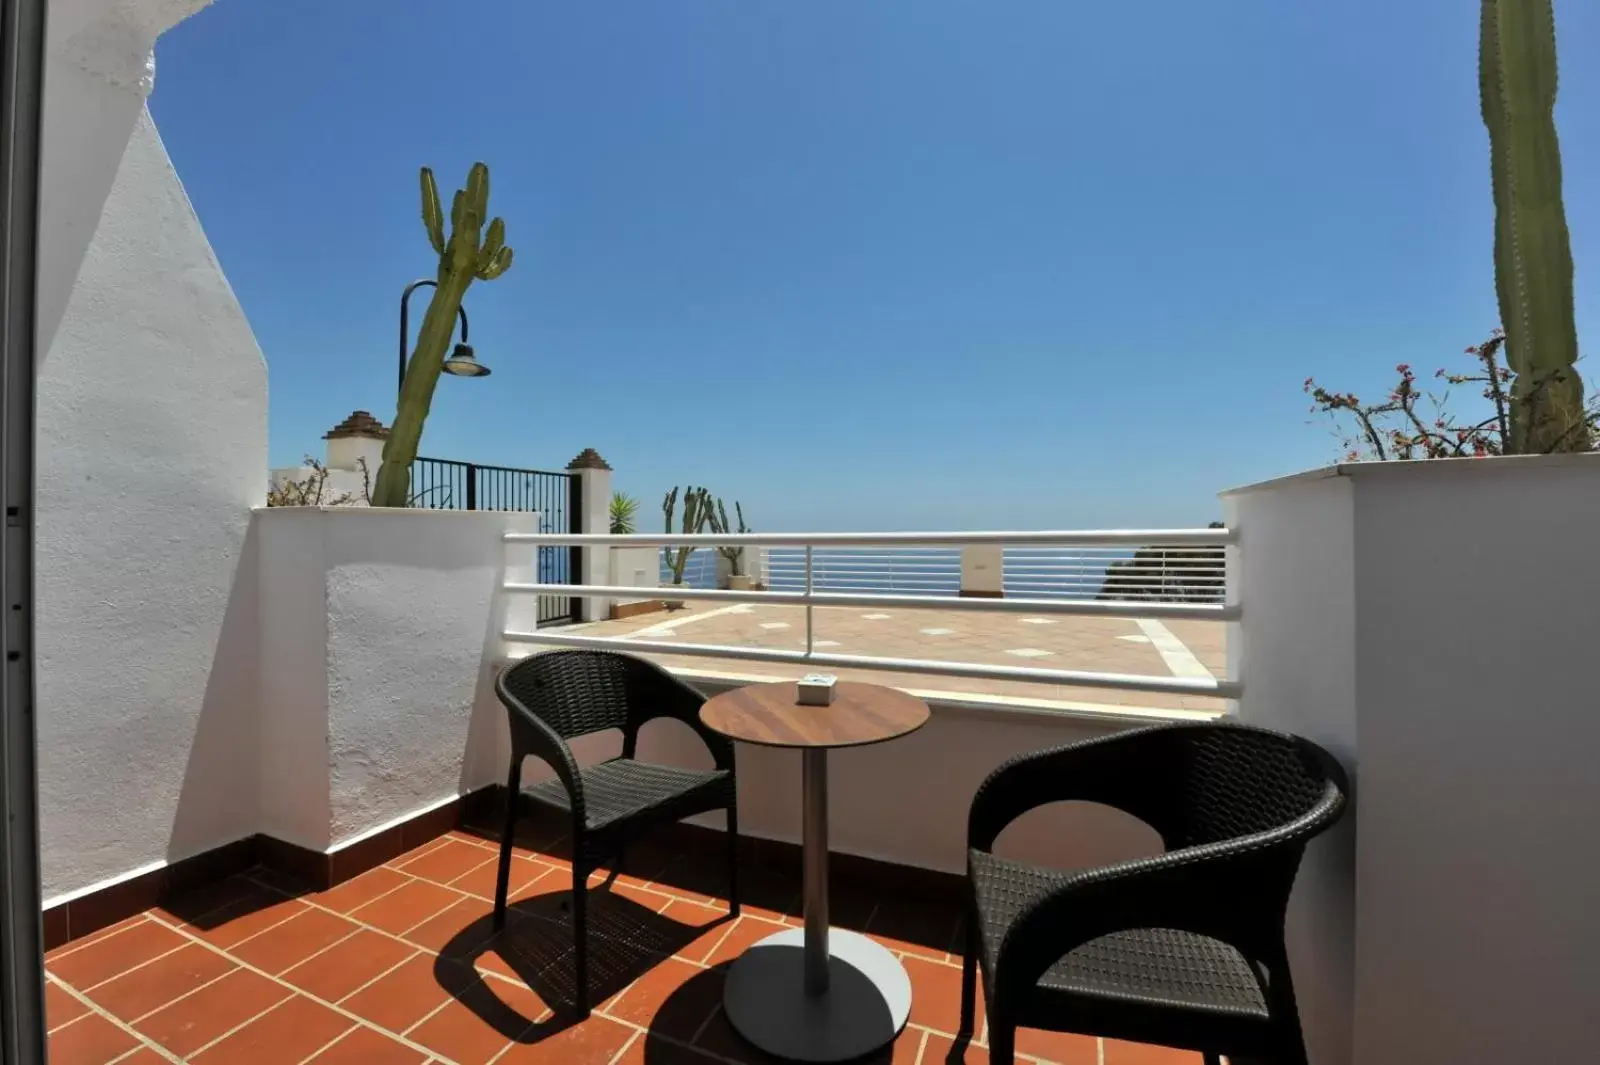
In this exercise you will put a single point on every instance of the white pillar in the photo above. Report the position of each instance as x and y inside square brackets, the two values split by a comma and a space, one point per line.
[983, 570]
[594, 516]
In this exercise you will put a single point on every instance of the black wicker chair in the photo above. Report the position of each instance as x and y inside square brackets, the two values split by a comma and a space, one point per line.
[1184, 949]
[560, 695]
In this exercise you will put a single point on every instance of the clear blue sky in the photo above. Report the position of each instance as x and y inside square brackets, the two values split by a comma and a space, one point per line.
[931, 263]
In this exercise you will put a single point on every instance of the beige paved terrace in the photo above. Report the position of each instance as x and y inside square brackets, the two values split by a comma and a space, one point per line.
[1107, 645]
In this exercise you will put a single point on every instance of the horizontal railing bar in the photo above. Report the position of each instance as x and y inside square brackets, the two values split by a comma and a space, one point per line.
[1128, 565]
[1139, 537]
[1204, 686]
[1115, 608]
[725, 595]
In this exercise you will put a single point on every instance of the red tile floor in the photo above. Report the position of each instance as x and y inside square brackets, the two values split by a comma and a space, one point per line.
[399, 965]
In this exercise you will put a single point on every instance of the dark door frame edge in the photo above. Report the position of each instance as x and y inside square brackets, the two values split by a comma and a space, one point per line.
[22, 1020]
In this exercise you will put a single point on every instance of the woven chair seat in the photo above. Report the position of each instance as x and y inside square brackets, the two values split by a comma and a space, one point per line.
[1149, 966]
[621, 789]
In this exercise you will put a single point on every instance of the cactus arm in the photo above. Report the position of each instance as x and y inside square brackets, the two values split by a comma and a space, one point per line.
[432, 213]
[1532, 247]
[498, 264]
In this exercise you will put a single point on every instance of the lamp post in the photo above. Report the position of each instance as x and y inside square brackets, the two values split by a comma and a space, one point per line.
[461, 363]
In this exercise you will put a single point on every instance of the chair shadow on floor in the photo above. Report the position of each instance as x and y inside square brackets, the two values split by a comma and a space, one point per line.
[626, 940]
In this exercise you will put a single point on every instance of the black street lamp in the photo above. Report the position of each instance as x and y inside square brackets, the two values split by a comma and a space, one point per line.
[461, 363]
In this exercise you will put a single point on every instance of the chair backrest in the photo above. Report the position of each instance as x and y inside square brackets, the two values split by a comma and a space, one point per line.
[574, 692]
[1223, 782]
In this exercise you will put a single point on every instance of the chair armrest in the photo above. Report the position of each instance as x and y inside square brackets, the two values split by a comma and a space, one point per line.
[531, 736]
[1108, 770]
[664, 695]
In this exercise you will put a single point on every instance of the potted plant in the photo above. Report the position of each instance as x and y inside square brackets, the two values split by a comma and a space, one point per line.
[696, 512]
[624, 514]
[737, 579]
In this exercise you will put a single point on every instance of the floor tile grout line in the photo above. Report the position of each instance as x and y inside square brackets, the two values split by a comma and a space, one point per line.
[482, 975]
[369, 902]
[192, 991]
[134, 968]
[244, 1024]
[618, 1056]
[319, 953]
[416, 952]
[329, 1044]
[128, 1055]
[279, 924]
[342, 1011]
[67, 950]
[94, 1009]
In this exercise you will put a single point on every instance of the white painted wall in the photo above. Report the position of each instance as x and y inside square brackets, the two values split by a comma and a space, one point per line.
[633, 567]
[292, 742]
[146, 642]
[1458, 598]
[380, 631]
[1293, 575]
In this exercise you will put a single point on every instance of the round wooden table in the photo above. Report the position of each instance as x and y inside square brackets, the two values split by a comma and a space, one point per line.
[816, 993]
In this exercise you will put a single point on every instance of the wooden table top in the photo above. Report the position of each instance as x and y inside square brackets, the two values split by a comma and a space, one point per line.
[768, 714]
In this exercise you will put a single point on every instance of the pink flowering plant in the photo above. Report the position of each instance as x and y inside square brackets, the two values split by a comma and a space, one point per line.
[1418, 423]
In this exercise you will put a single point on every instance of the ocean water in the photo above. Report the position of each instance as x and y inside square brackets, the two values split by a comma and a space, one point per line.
[1034, 573]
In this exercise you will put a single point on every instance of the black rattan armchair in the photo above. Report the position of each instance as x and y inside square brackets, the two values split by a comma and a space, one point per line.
[560, 695]
[1184, 949]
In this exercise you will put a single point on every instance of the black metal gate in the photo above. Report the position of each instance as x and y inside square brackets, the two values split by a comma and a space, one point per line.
[445, 484]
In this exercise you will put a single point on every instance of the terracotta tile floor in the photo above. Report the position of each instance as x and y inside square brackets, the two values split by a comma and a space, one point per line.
[401, 966]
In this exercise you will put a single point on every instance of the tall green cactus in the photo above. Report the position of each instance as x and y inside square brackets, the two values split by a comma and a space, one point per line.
[467, 254]
[718, 517]
[696, 512]
[1532, 252]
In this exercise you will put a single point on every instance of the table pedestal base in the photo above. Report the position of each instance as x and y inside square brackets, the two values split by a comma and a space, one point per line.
[864, 1008]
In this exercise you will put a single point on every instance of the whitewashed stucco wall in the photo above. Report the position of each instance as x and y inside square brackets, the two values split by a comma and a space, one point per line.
[1433, 623]
[146, 612]
[380, 634]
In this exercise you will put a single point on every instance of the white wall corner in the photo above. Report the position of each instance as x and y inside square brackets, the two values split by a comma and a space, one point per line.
[1292, 575]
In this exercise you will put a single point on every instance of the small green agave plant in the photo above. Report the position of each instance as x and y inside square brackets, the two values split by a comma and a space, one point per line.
[624, 514]
[465, 255]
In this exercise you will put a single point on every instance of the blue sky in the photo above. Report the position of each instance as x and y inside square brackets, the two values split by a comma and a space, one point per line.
[930, 264]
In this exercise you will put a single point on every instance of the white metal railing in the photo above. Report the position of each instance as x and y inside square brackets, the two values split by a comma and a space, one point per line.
[1165, 573]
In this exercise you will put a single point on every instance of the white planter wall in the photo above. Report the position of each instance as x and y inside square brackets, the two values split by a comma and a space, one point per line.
[381, 632]
[1434, 624]
[634, 567]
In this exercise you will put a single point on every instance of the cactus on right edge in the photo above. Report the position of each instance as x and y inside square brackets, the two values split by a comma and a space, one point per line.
[1532, 251]
[718, 517]
[696, 512]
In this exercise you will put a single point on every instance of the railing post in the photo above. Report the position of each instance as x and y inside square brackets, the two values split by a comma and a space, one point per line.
[808, 599]
[472, 487]
[589, 511]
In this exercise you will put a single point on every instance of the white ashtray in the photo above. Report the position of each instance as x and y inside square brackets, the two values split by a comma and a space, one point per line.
[816, 689]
